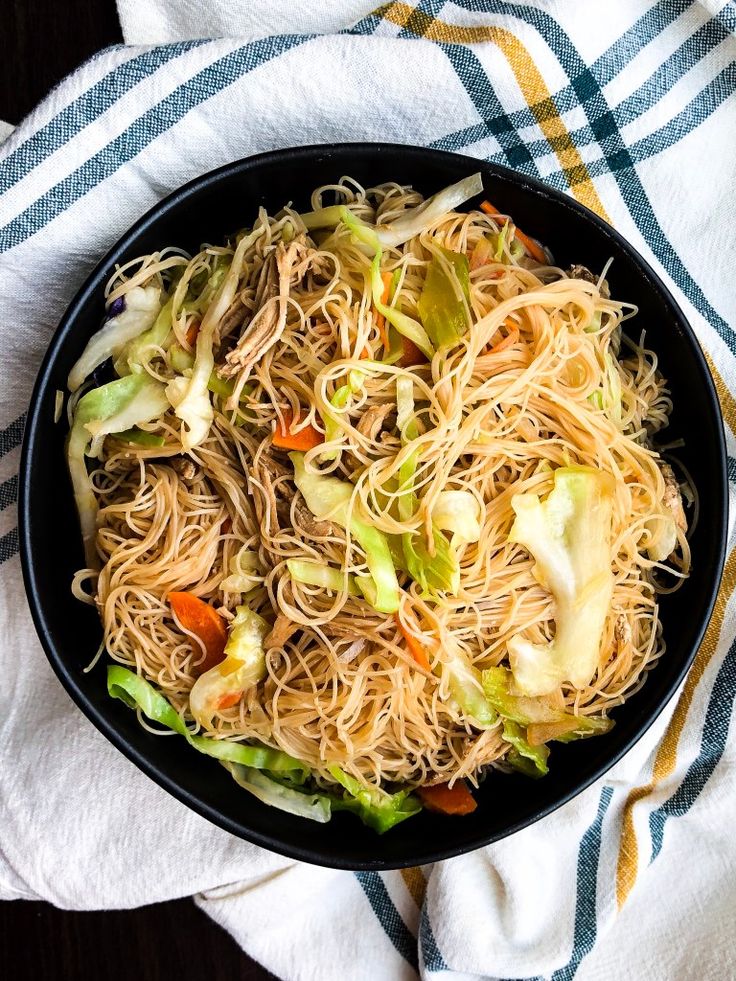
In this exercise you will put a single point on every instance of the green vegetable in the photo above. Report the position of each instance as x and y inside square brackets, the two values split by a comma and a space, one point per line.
[443, 302]
[324, 218]
[339, 401]
[536, 755]
[465, 686]
[329, 499]
[189, 395]
[111, 408]
[142, 305]
[375, 808]
[441, 571]
[414, 221]
[314, 807]
[406, 326]
[544, 722]
[136, 354]
[136, 692]
[317, 574]
[459, 513]
[244, 572]
[243, 667]
[569, 537]
[141, 437]
[500, 242]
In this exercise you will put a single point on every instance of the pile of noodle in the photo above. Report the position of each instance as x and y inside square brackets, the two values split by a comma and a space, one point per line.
[344, 688]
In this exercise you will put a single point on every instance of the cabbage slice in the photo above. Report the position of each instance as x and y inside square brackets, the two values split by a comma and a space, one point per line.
[569, 536]
[112, 408]
[142, 306]
[243, 667]
[329, 499]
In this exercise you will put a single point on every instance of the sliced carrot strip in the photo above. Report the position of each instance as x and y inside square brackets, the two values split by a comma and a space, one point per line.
[448, 800]
[192, 332]
[511, 338]
[533, 248]
[306, 439]
[227, 701]
[200, 619]
[416, 650]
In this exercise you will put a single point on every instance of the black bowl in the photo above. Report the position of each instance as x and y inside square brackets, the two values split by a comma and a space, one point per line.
[206, 210]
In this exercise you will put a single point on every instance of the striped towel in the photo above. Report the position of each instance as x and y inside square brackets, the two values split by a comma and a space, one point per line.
[629, 108]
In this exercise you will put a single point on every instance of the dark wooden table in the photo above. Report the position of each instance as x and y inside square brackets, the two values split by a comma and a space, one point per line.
[44, 40]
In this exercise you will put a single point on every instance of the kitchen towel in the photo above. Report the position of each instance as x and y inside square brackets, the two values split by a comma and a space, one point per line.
[630, 109]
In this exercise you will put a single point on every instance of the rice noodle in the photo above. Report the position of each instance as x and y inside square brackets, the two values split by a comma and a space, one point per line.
[343, 688]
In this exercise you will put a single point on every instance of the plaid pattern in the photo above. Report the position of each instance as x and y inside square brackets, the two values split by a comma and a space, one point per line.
[638, 123]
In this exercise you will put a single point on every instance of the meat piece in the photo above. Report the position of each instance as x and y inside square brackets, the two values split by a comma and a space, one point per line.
[373, 419]
[672, 498]
[285, 492]
[304, 518]
[352, 650]
[269, 321]
[622, 632]
[282, 631]
[234, 317]
[582, 272]
[186, 468]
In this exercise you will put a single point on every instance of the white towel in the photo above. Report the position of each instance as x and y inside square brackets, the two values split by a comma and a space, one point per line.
[633, 879]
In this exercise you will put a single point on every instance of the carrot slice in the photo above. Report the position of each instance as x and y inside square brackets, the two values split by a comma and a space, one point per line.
[227, 701]
[411, 355]
[533, 248]
[511, 338]
[200, 619]
[380, 319]
[416, 650]
[305, 439]
[448, 800]
[192, 332]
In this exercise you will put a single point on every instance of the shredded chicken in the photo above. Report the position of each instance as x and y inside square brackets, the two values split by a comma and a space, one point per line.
[582, 272]
[187, 469]
[672, 497]
[622, 632]
[282, 630]
[373, 419]
[234, 317]
[352, 650]
[269, 321]
[273, 471]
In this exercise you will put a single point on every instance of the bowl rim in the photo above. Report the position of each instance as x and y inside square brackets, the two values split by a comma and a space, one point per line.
[67, 675]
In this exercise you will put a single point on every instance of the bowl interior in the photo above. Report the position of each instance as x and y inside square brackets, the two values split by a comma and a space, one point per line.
[51, 549]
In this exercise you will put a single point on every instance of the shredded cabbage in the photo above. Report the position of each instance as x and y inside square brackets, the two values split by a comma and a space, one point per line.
[326, 576]
[244, 666]
[142, 305]
[136, 692]
[189, 396]
[459, 513]
[414, 222]
[569, 537]
[314, 807]
[112, 408]
[137, 353]
[375, 808]
[443, 303]
[329, 499]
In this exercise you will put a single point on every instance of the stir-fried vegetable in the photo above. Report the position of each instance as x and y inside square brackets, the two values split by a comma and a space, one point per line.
[465, 686]
[140, 310]
[329, 499]
[443, 303]
[444, 799]
[189, 396]
[413, 222]
[199, 620]
[112, 408]
[317, 574]
[531, 760]
[415, 648]
[302, 439]
[244, 665]
[137, 353]
[136, 692]
[376, 808]
[534, 249]
[569, 537]
[313, 806]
